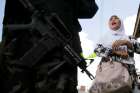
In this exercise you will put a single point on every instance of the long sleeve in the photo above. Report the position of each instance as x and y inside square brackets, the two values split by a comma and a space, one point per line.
[137, 47]
[136, 44]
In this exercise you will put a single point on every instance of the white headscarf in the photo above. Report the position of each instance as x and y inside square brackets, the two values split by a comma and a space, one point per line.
[112, 36]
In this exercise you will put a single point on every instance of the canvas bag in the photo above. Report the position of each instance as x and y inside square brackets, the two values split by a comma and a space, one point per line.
[111, 77]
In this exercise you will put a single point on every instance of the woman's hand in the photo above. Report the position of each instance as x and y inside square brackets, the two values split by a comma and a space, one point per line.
[118, 43]
[121, 52]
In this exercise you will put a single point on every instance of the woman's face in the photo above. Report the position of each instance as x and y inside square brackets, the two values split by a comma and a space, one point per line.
[114, 23]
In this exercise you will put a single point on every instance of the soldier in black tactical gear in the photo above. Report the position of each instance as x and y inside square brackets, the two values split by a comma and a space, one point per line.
[51, 74]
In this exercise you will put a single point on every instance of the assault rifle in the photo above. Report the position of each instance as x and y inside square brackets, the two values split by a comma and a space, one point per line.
[54, 33]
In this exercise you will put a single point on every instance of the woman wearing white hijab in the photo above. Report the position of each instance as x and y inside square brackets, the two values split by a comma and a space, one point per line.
[116, 37]
[115, 32]
[115, 78]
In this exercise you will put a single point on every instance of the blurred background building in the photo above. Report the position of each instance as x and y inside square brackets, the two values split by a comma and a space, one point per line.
[137, 25]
